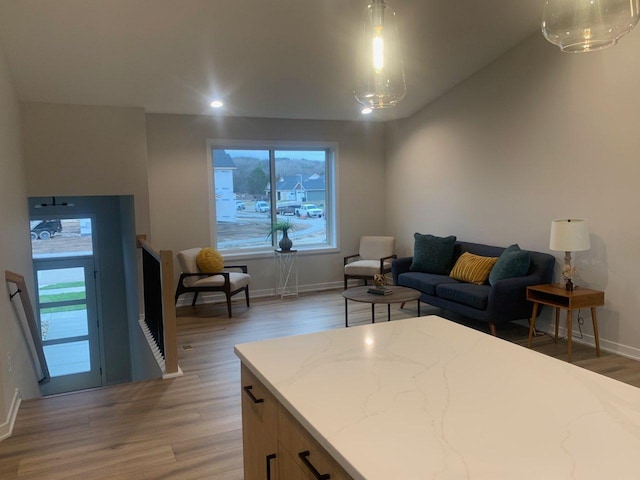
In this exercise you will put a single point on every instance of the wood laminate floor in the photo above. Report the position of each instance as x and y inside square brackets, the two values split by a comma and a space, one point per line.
[190, 427]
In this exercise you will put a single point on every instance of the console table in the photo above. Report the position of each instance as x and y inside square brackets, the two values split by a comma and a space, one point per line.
[556, 295]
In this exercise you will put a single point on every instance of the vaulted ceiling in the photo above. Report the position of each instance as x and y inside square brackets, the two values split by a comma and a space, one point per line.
[265, 58]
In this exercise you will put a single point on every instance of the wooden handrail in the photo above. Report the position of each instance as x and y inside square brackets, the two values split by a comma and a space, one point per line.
[169, 330]
[18, 281]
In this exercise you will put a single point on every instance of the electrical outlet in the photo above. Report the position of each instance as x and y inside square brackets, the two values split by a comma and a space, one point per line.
[9, 364]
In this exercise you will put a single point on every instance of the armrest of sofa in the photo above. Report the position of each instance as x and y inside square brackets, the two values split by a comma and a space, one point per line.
[508, 297]
[400, 265]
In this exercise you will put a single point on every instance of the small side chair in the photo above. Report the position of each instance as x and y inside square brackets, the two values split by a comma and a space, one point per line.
[374, 256]
[192, 279]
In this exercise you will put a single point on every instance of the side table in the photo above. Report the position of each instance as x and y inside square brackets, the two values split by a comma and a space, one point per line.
[286, 272]
[556, 295]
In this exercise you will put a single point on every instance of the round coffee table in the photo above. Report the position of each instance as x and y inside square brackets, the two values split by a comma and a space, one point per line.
[360, 294]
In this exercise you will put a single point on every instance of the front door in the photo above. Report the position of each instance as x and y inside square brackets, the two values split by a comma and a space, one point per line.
[67, 305]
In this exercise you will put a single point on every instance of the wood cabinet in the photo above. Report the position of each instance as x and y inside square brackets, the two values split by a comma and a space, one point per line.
[275, 445]
[259, 424]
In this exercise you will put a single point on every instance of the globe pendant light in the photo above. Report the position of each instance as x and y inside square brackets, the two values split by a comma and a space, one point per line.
[588, 25]
[380, 76]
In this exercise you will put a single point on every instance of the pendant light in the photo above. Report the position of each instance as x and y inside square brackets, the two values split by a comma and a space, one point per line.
[588, 25]
[380, 76]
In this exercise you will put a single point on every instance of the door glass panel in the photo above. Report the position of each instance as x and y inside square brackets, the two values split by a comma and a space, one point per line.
[51, 238]
[64, 322]
[68, 358]
[61, 285]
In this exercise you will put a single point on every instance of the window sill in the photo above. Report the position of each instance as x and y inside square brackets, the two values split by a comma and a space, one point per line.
[302, 251]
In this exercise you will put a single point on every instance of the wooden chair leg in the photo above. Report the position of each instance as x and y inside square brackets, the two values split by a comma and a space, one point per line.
[195, 297]
[345, 282]
[492, 329]
[246, 294]
[229, 304]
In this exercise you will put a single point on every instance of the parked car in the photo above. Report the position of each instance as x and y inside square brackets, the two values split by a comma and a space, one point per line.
[46, 229]
[287, 209]
[240, 205]
[262, 207]
[308, 210]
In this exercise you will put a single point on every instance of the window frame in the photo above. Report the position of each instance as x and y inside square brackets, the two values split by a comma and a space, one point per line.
[272, 146]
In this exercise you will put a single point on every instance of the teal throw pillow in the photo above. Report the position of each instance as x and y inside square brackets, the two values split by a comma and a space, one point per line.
[513, 262]
[433, 254]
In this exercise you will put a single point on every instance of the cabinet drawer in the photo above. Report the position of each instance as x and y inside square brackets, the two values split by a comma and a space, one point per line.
[305, 451]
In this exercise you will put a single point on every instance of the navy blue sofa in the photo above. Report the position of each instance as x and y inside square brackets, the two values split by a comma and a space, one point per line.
[502, 302]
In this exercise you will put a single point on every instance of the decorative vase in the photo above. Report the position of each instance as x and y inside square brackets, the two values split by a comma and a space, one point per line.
[569, 285]
[285, 242]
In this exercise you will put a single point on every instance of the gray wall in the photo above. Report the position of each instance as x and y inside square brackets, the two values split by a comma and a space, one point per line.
[536, 135]
[15, 253]
[179, 185]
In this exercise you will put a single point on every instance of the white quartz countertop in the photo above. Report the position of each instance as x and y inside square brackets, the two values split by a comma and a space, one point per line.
[426, 398]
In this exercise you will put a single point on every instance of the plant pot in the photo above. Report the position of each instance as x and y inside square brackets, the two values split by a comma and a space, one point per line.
[285, 242]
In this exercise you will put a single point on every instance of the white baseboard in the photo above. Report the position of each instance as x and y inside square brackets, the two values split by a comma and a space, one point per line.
[7, 427]
[607, 345]
[587, 339]
[185, 300]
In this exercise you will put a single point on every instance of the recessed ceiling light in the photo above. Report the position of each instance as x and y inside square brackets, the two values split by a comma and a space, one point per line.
[217, 104]
[366, 111]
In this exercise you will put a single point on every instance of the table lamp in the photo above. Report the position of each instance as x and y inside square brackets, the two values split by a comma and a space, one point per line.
[569, 235]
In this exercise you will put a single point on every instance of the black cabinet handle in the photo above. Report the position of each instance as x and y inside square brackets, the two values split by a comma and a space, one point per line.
[248, 391]
[269, 458]
[319, 476]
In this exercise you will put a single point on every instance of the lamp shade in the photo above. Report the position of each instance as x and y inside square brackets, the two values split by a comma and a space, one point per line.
[588, 25]
[569, 235]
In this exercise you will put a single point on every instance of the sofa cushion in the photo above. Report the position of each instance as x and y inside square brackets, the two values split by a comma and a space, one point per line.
[425, 282]
[513, 262]
[475, 296]
[473, 268]
[432, 254]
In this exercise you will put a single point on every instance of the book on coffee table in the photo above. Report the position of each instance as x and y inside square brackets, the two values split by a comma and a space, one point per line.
[380, 291]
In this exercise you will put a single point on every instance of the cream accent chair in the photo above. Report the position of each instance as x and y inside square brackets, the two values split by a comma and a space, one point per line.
[196, 281]
[374, 256]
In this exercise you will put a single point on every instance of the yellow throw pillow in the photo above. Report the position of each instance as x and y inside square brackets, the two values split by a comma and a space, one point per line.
[209, 260]
[473, 268]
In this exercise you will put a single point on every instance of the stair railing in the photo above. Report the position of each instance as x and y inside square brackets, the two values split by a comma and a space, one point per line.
[159, 303]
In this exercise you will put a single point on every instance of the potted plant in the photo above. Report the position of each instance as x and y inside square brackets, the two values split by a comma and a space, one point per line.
[283, 226]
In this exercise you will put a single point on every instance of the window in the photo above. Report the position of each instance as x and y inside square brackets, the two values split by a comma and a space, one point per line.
[256, 187]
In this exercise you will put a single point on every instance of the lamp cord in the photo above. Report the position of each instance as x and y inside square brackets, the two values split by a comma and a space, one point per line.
[580, 323]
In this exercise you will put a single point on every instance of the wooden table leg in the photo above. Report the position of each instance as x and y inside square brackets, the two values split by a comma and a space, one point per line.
[418, 307]
[594, 318]
[555, 338]
[373, 313]
[569, 332]
[388, 312]
[532, 322]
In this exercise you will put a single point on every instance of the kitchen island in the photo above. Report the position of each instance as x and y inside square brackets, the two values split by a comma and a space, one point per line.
[428, 398]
